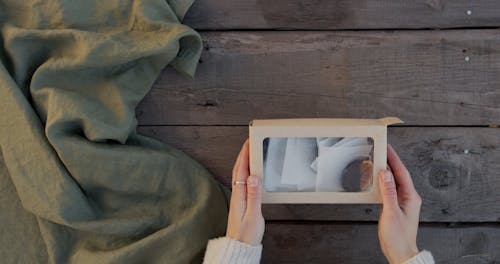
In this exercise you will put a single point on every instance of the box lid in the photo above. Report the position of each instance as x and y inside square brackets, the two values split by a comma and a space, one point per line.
[386, 121]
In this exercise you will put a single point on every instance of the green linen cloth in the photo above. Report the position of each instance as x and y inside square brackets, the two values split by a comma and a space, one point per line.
[71, 75]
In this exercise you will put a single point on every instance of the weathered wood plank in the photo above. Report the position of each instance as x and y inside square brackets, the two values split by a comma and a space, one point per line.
[424, 77]
[358, 243]
[342, 14]
[456, 170]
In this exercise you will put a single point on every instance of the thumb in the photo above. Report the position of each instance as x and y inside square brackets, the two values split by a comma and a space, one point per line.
[254, 196]
[388, 190]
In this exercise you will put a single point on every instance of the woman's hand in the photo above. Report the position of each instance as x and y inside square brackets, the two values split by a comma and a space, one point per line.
[245, 221]
[398, 223]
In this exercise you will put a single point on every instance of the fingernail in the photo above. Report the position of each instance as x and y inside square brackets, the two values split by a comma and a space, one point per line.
[252, 181]
[387, 176]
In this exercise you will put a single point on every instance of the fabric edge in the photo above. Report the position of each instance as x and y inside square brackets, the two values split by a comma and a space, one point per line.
[189, 55]
[181, 7]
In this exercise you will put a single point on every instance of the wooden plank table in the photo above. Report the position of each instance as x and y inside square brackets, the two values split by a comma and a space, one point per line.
[435, 64]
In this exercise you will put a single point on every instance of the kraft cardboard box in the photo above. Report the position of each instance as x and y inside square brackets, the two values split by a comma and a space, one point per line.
[319, 160]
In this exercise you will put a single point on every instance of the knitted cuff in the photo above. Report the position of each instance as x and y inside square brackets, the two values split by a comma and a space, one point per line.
[225, 250]
[424, 257]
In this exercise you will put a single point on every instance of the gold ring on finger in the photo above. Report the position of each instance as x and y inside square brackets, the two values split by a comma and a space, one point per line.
[239, 182]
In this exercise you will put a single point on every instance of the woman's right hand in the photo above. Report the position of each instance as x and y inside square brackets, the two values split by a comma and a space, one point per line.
[398, 223]
[245, 221]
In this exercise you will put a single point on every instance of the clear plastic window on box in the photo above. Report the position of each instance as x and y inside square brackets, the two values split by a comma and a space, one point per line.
[317, 164]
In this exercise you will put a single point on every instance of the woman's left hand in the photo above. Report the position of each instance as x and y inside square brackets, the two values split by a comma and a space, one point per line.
[245, 221]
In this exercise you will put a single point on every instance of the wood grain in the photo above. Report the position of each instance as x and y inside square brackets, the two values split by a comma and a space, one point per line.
[420, 76]
[341, 14]
[455, 170]
[328, 242]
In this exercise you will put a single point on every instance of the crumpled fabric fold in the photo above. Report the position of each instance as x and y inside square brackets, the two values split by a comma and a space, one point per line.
[71, 76]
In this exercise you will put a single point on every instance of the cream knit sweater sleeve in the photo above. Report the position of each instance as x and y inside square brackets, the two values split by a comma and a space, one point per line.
[225, 250]
[424, 257]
